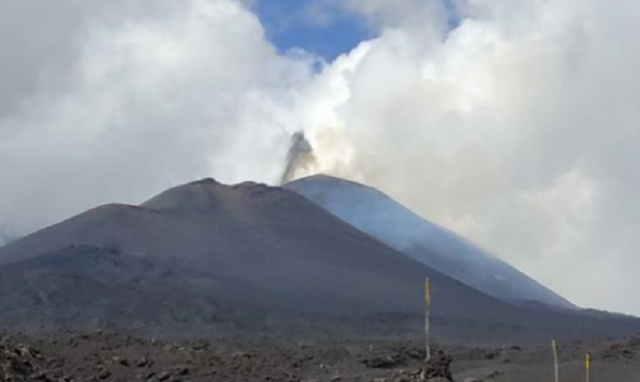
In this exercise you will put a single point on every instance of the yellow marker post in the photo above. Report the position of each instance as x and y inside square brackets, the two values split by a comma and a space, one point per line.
[427, 316]
[587, 366]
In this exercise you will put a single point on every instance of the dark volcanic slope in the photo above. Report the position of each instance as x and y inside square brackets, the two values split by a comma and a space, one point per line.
[244, 257]
[217, 248]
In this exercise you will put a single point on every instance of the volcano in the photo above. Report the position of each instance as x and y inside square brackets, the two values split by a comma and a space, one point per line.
[380, 216]
[208, 259]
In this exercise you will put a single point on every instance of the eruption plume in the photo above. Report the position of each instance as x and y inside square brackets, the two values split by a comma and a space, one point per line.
[299, 158]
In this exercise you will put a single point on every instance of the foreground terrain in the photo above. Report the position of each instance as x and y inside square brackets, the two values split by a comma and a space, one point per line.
[115, 357]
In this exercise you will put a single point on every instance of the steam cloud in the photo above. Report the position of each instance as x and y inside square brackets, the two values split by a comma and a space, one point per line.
[518, 129]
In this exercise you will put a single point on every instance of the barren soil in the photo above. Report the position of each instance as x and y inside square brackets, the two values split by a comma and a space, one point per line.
[116, 357]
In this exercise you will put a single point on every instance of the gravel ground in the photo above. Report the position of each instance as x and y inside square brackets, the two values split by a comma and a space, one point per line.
[117, 357]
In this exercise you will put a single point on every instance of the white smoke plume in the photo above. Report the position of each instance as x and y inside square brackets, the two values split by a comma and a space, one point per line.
[146, 96]
[517, 129]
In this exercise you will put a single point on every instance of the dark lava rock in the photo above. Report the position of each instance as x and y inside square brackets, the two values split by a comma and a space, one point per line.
[383, 362]
[23, 363]
[142, 362]
[439, 366]
[437, 369]
[397, 358]
[618, 352]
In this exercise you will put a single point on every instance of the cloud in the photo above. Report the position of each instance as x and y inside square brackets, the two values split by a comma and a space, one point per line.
[518, 129]
[149, 99]
[414, 14]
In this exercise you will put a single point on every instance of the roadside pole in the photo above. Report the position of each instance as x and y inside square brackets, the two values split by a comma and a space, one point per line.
[427, 317]
[555, 360]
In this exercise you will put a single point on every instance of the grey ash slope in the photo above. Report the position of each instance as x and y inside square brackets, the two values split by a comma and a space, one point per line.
[210, 258]
[387, 220]
[245, 246]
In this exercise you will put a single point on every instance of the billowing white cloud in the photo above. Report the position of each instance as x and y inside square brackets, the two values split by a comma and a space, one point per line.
[518, 129]
[148, 101]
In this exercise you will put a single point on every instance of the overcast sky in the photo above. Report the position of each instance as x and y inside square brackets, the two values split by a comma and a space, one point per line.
[516, 123]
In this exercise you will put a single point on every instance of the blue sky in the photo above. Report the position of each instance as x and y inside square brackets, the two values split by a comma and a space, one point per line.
[323, 30]
[293, 24]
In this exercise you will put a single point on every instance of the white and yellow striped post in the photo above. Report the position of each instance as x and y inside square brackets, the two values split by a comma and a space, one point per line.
[555, 360]
[427, 317]
[587, 367]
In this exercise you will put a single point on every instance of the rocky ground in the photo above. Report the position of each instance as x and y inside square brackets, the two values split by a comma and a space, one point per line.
[117, 357]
